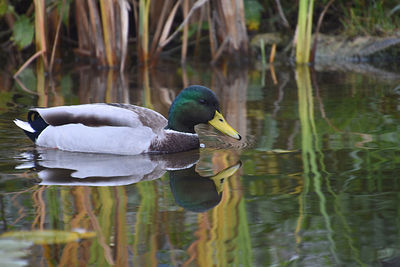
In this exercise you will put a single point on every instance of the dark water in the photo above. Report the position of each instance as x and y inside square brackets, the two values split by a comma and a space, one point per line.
[315, 183]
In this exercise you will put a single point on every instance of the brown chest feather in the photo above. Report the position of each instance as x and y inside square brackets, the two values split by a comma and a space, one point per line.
[175, 142]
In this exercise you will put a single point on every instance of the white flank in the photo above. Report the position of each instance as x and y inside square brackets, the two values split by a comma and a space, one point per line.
[103, 139]
[24, 125]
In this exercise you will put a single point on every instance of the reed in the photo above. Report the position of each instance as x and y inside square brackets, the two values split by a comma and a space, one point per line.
[231, 28]
[143, 31]
[102, 28]
[40, 30]
[185, 31]
[304, 27]
[108, 19]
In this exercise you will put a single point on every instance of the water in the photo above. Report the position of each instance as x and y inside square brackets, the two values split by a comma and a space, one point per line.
[315, 183]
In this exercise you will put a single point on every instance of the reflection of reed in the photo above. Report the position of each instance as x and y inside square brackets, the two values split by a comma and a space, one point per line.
[121, 238]
[41, 85]
[70, 252]
[98, 86]
[231, 88]
[100, 209]
[40, 207]
[311, 152]
[223, 234]
[146, 228]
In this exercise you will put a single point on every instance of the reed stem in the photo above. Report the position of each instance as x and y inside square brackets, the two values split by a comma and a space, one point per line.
[304, 27]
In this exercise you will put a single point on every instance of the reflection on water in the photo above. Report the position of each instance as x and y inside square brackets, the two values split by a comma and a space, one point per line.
[315, 183]
[191, 190]
[56, 167]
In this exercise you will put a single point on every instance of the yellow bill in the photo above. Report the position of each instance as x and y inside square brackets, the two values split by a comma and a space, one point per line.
[219, 123]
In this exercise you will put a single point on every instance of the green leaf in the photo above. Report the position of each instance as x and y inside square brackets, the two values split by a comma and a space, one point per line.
[3, 7]
[28, 79]
[23, 32]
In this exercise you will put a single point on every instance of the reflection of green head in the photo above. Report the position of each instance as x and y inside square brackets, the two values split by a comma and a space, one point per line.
[192, 191]
[197, 193]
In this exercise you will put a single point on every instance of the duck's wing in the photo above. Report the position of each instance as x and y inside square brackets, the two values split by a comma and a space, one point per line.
[96, 115]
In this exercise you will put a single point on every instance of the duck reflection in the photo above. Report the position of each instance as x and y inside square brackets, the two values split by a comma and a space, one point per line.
[191, 190]
[56, 167]
[198, 193]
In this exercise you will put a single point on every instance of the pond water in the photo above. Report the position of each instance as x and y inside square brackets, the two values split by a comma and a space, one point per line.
[315, 182]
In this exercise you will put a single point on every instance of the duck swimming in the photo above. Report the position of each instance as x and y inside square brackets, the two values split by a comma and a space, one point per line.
[127, 129]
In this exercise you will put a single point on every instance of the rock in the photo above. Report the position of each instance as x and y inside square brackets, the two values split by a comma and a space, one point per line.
[269, 39]
[340, 48]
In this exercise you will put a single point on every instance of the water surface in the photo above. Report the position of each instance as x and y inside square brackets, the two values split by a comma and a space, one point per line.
[314, 183]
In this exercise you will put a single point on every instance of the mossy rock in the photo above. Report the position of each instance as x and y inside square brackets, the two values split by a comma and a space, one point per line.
[341, 48]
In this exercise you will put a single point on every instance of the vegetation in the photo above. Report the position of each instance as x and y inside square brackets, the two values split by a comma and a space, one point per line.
[304, 27]
[379, 18]
[107, 30]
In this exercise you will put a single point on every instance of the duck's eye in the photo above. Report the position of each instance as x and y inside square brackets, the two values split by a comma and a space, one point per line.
[202, 101]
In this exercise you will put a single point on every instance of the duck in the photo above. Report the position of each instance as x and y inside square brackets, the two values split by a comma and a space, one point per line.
[125, 129]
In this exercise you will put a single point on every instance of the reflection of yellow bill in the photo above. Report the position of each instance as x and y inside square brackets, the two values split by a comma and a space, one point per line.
[219, 123]
[219, 177]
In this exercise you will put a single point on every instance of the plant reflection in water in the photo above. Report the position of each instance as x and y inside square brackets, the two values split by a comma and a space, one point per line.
[56, 167]
[98, 192]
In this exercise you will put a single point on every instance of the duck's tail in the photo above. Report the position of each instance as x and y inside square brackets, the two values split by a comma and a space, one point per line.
[34, 126]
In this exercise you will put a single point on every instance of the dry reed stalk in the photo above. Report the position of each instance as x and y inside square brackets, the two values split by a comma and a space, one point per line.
[124, 16]
[23, 87]
[320, 19]
[231, 28]
[198, 31]
[166, 30]
[185, 31]
[281, 14]
[143, 31]
[220, 50]
[160, 26]
[38, 53]
[83, 28]
[272, 54]
[40, 30]
[211, 33]
[108, 18]
[196, 5]
[95, 26]
[135, 12]
[56, 37]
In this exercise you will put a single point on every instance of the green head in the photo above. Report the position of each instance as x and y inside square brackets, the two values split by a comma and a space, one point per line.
[194, 105]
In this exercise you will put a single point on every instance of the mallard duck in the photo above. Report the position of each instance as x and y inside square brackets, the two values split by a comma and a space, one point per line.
[127, 129]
